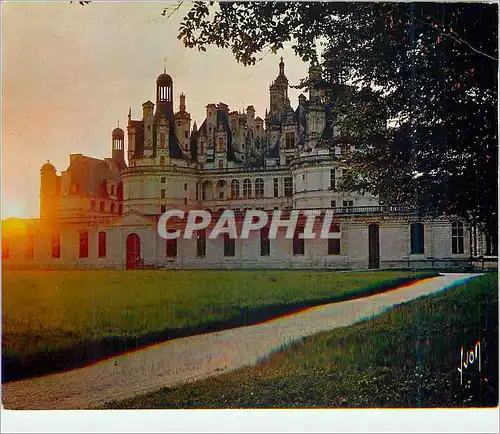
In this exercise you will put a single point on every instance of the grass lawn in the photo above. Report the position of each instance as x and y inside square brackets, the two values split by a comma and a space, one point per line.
[407, 357]
[57, 320]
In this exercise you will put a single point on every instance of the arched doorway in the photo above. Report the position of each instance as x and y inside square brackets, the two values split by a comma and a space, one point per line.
[133, 251]
[373, 246]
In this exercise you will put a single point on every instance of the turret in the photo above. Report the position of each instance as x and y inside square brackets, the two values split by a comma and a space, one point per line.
[183, 124]
[164, 96]
[118, 147]
[148, 120]
[49, 191]
[278, 95]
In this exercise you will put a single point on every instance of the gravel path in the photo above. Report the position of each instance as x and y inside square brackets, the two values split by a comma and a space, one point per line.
[196, 357]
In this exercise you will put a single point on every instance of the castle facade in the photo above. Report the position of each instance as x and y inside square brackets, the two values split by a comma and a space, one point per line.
[104, 213]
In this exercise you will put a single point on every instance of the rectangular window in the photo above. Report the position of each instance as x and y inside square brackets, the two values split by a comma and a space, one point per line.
[172, 248]
[84, 245]
[185, 201]
[457, 237]
[334, 243]
[332, 179]
[298, 243]
[30, 246]
[185, 186]
[333, 204]
[162, 160]
[220, 148]
[162, 193]
[163, 209]
[163, 179]
[201, 243]
[276, 187]
[334, 246]
[344, 172]
[289, 140]
[186, 134]
[229, 245]
[5, 248]
[288, 187]
[417, 238]
[102, 245]
[162, 140]
[265, 242]
[56, 245]
[221, 164]
[348, 203]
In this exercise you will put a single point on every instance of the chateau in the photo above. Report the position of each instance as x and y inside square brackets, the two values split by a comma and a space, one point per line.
[104, 213]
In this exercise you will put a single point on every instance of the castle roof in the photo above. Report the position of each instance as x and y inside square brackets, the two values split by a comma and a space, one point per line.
[91, 175]
[48, 167]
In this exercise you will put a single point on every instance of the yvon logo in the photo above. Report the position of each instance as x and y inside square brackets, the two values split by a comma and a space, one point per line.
[471, 357]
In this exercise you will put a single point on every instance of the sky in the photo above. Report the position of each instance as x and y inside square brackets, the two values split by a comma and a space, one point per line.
[70, 73]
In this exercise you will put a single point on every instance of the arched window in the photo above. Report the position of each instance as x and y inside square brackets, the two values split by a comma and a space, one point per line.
[92, 205]
[247, 189]
[112, 210]
[207, 191]
[120, 209]
[259, 188]
[417, 238]
[102, 206]
[235, 189]
[221, 189]
[171, 247]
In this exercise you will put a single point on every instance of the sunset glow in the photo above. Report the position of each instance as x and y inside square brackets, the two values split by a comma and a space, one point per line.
[70, 73]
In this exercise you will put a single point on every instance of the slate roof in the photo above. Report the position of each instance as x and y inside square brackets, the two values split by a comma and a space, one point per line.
[90, 175]
[275, 151]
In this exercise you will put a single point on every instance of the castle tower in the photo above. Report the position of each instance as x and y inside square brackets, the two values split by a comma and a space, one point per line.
[118, 148]
[164, 96]
[183, 124]
[49, 192]
[278, 95]
[148, 121]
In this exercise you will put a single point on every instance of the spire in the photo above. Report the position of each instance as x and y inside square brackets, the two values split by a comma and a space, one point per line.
[182, 105]
[118, 123]
[194, 127]
[165, 66]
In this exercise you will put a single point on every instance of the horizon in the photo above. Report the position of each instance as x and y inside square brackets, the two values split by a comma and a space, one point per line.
[50, 44]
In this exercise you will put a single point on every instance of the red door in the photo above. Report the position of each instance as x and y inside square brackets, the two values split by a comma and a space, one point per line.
[133, 251]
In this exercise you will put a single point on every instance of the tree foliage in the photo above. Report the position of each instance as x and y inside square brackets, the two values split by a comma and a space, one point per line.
[431, 68]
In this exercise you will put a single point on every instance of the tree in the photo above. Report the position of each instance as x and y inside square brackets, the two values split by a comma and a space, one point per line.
[431, 68]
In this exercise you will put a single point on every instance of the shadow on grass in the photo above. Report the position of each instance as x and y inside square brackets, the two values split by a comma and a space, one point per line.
[86, 352]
